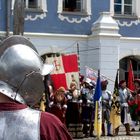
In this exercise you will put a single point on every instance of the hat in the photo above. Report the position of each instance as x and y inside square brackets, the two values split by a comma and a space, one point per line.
[18, 56]
[89, 81]
[105, 82]
[121, 82]
[61, 89]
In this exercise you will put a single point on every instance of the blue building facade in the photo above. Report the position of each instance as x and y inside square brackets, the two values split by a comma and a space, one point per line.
[52, 18]
[56, 25]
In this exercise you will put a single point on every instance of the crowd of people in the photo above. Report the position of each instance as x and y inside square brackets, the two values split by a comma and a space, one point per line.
[76, 106]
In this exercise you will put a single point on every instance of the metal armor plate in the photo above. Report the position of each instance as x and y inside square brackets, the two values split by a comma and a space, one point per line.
[20, 125]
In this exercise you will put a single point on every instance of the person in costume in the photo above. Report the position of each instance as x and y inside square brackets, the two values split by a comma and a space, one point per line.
[73, 113]
[58, 105]
[135, 103]
[87, 92]
[21, 86]
[106, 108]
[125, 97]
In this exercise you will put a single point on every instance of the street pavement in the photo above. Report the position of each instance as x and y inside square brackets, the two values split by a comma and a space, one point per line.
[121, 136]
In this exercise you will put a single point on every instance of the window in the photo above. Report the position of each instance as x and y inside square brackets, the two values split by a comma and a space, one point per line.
[123, 7]
[34, 4]
[82, 6]
[31, 4]
[127, 8]
[73, 5]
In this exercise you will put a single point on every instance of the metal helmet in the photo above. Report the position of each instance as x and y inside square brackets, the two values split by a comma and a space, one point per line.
[21, 70]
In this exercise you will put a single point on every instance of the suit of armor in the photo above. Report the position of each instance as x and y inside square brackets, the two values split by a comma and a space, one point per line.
[106, 107]
[28, 119]
[87, 110]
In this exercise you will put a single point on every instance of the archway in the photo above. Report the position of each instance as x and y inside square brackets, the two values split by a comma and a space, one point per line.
[124, 66]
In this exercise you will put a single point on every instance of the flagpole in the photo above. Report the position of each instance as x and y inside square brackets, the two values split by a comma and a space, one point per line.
[98, 108]
[98, 137]
[98, 73]
[78, 53]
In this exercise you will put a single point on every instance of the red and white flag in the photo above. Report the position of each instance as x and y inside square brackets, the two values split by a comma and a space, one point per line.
[65, 70]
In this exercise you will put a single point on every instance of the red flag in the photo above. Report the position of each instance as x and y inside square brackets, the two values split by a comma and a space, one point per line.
[59, 80]
[130, 77]
[65, 71]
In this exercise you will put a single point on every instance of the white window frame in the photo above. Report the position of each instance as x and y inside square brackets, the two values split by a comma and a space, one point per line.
[42, 5]
[135, 8]
[86, 7]
[122, 7]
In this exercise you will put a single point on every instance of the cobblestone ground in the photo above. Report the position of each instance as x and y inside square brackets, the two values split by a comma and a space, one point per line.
[121, 136]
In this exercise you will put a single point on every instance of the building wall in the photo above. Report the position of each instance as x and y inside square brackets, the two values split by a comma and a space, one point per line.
[102, 41]
[129, 27]
[49, 22]
[102, 50]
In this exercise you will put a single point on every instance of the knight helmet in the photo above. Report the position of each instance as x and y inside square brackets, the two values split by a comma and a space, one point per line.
[21, 70]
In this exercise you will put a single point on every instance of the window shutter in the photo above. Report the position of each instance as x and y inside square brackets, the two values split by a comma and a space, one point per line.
[44, 5]
[60, 6]
[88, 7]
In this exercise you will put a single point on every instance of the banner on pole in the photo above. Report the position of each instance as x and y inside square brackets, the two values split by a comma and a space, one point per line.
[98, 108]
[66, 70]
[93, 75]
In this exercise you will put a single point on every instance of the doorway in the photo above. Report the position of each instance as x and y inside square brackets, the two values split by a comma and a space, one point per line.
[124, 67]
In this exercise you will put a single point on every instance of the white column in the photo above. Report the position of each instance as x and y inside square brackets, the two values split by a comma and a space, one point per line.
[106, 39]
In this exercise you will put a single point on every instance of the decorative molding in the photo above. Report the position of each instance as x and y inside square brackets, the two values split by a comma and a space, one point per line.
[74, 20]
[35, 17]
[128, 24]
